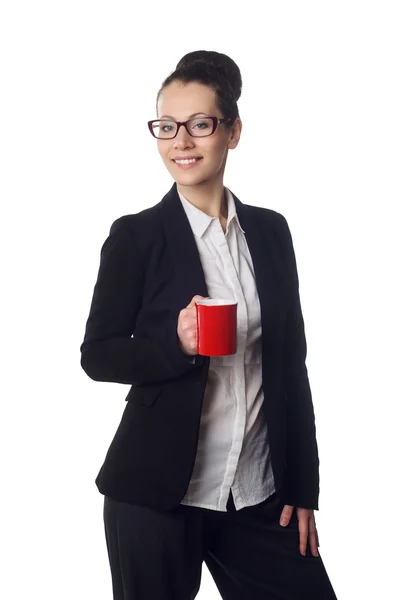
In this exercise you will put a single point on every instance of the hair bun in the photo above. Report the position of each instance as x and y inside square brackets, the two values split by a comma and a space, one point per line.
[211, 61]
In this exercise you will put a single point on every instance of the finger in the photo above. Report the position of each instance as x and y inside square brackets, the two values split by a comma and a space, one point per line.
[193, 301]
[313, 543]
[286, 515]
[303, 531]
[190, 314]
[313, 535]
[313, 527]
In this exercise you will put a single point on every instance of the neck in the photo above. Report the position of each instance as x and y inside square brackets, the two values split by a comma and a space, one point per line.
[208, 197]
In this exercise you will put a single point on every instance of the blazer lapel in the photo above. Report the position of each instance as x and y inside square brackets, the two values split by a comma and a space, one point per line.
[183, 250]
[261, 243]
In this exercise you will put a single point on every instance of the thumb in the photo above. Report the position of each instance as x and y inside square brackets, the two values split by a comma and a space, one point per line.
[195, 298]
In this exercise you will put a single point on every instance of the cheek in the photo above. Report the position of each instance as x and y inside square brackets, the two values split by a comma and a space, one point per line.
[163, 151]
[219, 153]
[215, 151]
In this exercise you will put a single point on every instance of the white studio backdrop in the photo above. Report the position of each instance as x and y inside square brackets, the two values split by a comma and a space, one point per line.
[319, 144]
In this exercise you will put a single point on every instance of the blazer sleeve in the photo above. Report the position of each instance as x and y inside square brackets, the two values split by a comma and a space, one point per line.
[301, 445]
[110, 351]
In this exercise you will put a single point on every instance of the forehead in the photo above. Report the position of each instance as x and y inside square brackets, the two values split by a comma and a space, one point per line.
[180, 100]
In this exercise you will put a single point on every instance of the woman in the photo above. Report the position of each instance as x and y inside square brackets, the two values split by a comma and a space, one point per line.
[215, 458]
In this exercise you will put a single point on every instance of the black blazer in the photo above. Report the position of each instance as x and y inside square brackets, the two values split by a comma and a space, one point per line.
[149, 270]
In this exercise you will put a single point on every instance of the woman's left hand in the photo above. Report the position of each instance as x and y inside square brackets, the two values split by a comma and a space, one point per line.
[306, 525]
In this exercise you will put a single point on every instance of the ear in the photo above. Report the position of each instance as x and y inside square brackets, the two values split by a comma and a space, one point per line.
[235, 134]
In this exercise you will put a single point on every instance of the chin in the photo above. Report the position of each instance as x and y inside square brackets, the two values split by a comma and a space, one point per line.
[188, 180]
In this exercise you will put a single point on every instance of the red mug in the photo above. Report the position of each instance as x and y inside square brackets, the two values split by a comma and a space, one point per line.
[216, 327]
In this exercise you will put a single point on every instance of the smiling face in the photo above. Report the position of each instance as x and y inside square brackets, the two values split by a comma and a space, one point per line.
[181, 102]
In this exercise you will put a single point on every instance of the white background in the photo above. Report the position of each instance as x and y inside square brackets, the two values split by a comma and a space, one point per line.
[319, 144]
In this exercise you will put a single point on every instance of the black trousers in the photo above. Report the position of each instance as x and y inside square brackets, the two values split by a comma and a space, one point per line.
[158, 555]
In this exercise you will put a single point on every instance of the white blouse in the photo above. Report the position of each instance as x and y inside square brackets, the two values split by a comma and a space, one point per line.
[232, 452]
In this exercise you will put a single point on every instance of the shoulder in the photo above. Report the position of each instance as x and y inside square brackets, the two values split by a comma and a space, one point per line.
[136, 232]
[141, 230]
[136, 223]
[269, 219]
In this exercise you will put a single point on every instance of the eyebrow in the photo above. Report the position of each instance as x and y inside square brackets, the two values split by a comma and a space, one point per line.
[190, 116]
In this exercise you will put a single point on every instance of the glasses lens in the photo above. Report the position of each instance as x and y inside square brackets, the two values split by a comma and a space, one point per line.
[164, 129]
[200, 127]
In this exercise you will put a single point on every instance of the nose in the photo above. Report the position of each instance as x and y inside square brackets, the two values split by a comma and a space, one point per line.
[183, 139]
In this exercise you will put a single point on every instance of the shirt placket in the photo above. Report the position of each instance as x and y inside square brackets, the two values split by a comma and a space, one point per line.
[238, 371]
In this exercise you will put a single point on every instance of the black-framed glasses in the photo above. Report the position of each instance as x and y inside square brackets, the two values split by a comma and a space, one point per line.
[167, 129]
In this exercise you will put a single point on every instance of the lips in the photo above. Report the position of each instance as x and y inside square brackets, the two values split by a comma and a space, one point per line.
[186, 157]
[187, 163]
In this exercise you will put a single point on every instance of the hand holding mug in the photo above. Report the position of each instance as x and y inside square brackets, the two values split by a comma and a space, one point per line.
[187, 327]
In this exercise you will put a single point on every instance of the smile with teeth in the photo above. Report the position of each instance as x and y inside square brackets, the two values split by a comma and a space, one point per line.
[186, 161]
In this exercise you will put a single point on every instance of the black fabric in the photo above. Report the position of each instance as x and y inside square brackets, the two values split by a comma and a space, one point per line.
[159, 554]
[231, 504]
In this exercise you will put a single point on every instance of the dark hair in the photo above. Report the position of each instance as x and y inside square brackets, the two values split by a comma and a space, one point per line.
[214, 69]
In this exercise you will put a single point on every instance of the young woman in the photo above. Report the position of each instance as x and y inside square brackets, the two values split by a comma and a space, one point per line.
[215, 458]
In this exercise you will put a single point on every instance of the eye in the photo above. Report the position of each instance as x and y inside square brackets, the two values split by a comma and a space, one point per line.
[201, 125]
[167, 127]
